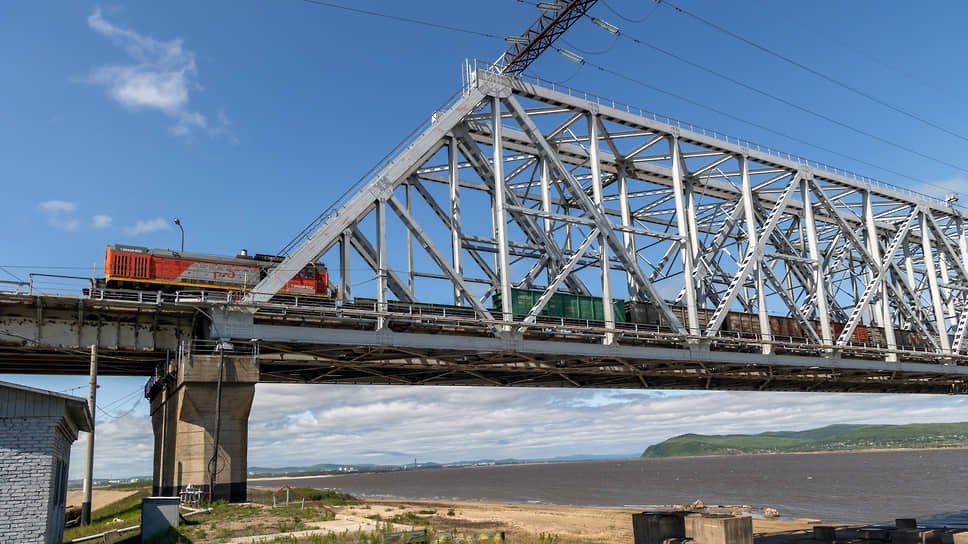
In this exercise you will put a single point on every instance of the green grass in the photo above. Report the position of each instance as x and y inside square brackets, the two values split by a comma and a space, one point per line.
[830, 438]
[128, 511]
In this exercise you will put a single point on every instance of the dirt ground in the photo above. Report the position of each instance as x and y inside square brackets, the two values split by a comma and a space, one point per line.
[587, 524]
[99, 497]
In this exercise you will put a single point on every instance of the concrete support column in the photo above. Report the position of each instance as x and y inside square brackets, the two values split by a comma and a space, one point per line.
[184, 421]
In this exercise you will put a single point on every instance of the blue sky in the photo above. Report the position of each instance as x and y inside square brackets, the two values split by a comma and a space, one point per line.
[246, 119]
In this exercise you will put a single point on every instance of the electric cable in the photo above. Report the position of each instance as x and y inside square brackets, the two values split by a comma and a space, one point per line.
[12, 275]
[795, 105]
[404, 19]
[814, 71]
[635, 21]
[77, 352]
[586, 52]
[747, 122]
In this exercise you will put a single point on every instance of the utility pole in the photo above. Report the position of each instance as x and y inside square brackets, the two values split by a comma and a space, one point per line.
[89, 461]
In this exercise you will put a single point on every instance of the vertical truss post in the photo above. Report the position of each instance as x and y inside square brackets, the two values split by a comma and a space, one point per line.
[932, 273]
[962, 326]
[751, 240]
[946, 294]
[345, 244]
[608, 309]
[819, 285]
[546, 207]
[685, 241]
[455, 229]
[909, 267]
[407, 196]
[381, 260]
[500, 214]
[694, 246]
[626, 211]
[882, 308]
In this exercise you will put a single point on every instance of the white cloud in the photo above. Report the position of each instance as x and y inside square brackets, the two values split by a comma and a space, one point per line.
[58, 206]
[162, 77]
[942, 189]
[101, 221]
[301, 425]
[147, 227]
[60, 214]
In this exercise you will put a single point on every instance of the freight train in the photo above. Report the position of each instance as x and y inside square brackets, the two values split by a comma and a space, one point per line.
[741, 324]
[570, 308]
[135, 267]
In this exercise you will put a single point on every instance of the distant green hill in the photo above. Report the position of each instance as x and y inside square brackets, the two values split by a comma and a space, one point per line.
[830, 438]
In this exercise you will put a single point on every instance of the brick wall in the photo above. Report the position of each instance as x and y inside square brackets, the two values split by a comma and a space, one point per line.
[29, 450]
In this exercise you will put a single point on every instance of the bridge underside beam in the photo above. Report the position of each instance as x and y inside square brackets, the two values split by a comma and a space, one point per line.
[408, 352]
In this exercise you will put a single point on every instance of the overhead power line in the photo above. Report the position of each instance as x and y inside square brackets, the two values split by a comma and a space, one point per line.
[793, 104]
[698, 104]
[634, 21]
[813, 71]
[404, 19]
[751, 123]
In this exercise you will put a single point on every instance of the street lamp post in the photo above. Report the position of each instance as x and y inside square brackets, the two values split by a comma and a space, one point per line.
[177, 222]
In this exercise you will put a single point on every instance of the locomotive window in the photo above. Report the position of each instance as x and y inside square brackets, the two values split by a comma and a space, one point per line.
[308, 273]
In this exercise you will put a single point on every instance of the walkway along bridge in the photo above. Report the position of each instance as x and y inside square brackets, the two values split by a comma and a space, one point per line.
[736, 267]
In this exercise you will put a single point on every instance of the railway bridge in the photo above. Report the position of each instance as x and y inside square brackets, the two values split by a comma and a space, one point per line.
[710, 263]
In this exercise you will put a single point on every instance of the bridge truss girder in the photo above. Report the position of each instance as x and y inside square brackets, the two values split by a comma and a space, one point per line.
[516, 182]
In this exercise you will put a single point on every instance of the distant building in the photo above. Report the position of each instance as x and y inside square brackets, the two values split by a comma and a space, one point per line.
[37, 428]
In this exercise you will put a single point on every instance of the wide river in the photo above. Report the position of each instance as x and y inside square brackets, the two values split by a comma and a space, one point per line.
[863, 487]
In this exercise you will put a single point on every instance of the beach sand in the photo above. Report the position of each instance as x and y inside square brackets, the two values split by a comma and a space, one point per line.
[568, 522]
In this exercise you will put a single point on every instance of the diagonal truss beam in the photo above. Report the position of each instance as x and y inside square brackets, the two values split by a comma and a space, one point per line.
[753, 256]
[362, 202]
[591, 210]
[531, 229]
[556, 282]
[899, 299]
[437, 256]
[369, 254]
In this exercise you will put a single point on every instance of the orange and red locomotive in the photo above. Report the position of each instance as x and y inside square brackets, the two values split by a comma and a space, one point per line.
[135, 267]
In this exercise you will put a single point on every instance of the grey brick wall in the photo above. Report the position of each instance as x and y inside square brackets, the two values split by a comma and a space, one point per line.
[30, 448]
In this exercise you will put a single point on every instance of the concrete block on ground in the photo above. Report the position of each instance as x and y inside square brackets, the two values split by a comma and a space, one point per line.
[657, 527]
[960, 538]
[874, 534]
[158, 515]
[690, 524]
[916, 536]
[824, 533]
[721, 529]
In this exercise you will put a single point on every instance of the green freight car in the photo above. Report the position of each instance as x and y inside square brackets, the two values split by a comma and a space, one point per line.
[564, 305]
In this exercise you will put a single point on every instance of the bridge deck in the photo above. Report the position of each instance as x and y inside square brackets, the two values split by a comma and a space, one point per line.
[302, 341]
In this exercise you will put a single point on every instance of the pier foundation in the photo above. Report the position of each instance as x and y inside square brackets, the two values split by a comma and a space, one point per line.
[192, 414]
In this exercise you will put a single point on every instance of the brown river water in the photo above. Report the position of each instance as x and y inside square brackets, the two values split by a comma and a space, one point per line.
[861, 487]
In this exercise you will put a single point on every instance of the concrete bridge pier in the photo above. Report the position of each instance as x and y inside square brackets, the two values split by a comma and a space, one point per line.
[186, 414]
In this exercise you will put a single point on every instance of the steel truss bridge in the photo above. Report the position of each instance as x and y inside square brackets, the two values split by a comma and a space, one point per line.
[523, 184]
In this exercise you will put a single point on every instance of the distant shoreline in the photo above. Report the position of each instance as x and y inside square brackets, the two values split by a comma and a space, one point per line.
[870, 450]
[817, 452]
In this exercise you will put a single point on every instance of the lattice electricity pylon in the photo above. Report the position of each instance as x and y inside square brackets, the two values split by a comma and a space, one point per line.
[525, 185]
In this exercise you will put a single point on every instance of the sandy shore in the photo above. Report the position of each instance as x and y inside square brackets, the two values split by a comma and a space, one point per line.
[99, 497]
[584, 524]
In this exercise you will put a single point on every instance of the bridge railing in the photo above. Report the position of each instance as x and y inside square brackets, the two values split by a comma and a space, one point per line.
[15, 287]
[44, 284]
[404, 315]
[415, 315]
